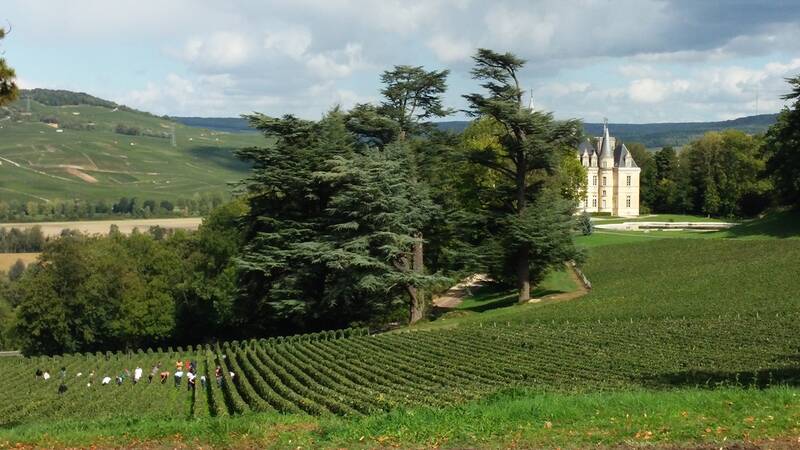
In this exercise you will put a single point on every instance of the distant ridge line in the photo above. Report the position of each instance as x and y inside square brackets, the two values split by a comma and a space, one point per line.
[650, 134]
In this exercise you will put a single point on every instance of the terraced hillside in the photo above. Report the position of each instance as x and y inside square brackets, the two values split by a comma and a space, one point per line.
[663, 314]
[90, 149]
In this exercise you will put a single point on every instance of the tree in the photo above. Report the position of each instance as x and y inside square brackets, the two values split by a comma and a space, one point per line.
[413, 95]
[648, 178]
[16, 270]
[282, 274]
[97, 293]
[722, 174]
[378, 212]
[532, 146]
[666, 196]
[8, 87]
[782, 148]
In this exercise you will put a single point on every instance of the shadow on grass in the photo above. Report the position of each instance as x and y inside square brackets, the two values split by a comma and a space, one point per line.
[220, 156]
[494, 296]
[782, 224]
[760, 379]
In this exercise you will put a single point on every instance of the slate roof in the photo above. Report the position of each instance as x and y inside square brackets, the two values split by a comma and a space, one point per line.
[620, 152]
[620, 155]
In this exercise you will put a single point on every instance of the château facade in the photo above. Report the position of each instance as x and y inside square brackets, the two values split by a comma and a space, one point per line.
[613, 177]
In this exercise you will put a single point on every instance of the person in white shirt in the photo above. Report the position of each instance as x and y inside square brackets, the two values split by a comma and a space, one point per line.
[178, 376]
[137, 374]
[46, 375]
[190, 376]
[106, 380]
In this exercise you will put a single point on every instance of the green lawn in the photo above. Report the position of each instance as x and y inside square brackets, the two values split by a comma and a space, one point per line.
[514, 419]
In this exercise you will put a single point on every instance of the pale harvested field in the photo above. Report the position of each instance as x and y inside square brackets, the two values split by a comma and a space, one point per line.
[102, 226]
[8, 259]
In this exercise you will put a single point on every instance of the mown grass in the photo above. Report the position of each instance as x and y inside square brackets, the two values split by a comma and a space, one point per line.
[517, 418]
[493, 296]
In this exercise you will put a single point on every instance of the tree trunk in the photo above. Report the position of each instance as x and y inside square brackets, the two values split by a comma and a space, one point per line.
[417, 306]
[523, 274]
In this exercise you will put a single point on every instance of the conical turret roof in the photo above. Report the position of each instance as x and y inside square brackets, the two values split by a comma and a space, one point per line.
[605, 145]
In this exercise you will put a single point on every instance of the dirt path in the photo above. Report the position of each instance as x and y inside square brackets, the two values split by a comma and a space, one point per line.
[455, 295]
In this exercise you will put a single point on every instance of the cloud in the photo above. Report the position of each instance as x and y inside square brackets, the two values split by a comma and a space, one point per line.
[648, 90]
[448, 49]
[221, 50]
[640, 59]
[292, 41]
[337, 63]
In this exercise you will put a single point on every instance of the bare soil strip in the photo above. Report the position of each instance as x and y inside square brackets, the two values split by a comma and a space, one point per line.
[51, 229]
[9, 259]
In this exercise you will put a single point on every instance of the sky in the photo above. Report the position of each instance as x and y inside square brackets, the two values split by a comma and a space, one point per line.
[633, 61]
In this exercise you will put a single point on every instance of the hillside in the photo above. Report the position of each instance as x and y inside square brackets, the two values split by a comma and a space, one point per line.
[665, 319]
[61, 145]
[656, 135]
[652, 135]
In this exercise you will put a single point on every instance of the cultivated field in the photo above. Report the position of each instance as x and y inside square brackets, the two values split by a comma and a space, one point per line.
[664, 314]
[126, 226]
[8, 259]
[87, 160]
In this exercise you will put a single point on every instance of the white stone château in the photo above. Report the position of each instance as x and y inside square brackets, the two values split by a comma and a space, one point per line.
[613, 177]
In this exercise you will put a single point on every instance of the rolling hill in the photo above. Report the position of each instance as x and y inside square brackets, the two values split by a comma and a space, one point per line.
[652, 135]
[61, 145]
[656, 135]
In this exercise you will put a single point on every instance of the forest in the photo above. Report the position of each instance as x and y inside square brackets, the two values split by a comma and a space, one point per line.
[358, 218]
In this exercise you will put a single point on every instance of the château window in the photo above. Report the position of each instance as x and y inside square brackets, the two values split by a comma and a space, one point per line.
[586, 203]
[594, 181]
[594, 202]
[604, 203]
[628, 180]
[628, 201]
[604, 181]
[604, 192]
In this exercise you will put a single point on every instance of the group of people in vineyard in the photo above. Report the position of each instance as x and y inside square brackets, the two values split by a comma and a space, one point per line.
[183, 369]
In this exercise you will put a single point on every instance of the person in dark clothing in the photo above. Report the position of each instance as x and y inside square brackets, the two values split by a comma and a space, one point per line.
[39, 373]
[153, 372]
[62, 388]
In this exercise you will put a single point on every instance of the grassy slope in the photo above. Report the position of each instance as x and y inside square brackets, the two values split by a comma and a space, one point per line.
[509, 420]
[665, 313]
[149, 169]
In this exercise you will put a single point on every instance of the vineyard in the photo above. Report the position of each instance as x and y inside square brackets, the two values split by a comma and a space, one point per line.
[643, 327]
[362, 374]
